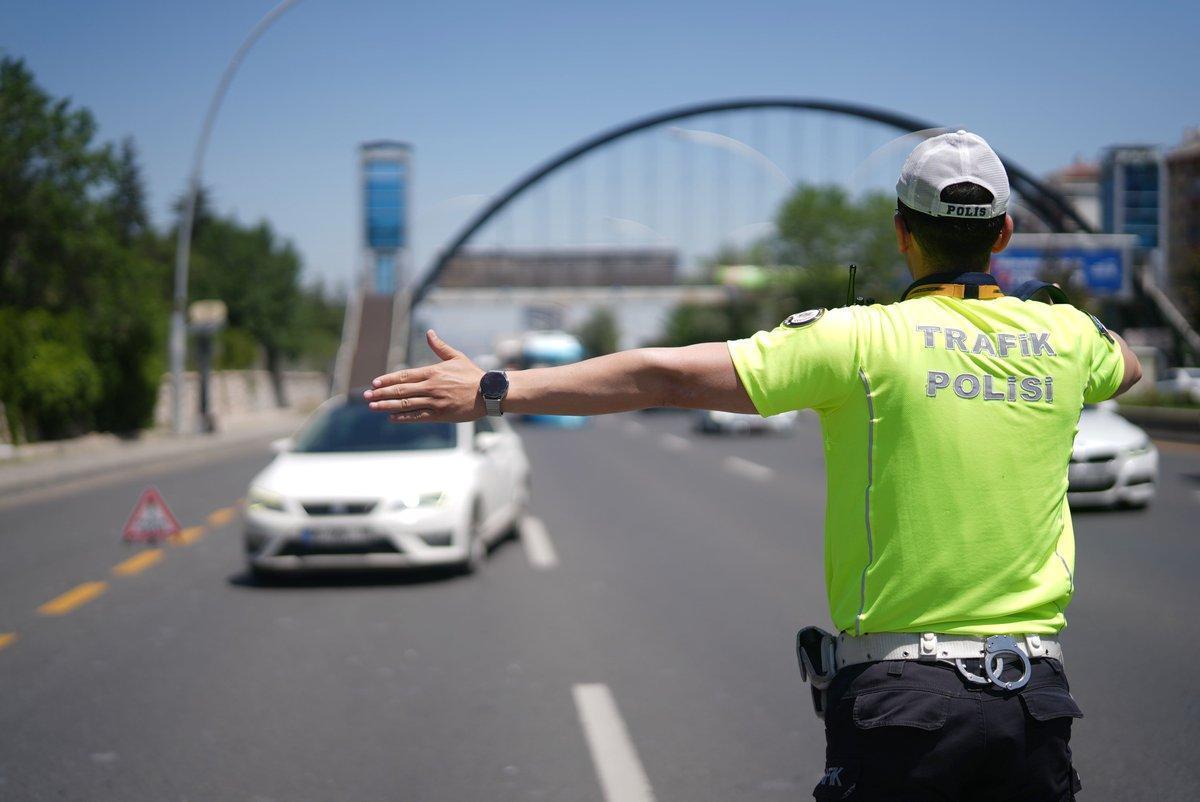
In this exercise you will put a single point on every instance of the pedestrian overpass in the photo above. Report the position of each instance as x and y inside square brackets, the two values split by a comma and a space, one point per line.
[693, 178]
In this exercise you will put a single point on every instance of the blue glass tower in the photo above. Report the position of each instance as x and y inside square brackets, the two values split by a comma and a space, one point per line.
[1129, 192]
[384, 168]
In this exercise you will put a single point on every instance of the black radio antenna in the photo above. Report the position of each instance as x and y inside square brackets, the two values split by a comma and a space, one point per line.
[851, 298]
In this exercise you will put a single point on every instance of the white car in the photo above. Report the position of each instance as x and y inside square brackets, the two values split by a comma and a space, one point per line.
[1182, 384]
[1113, 462]
[713, 422]
[353, 490]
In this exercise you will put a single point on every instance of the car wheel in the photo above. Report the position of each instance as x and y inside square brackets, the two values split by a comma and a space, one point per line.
[260, 575]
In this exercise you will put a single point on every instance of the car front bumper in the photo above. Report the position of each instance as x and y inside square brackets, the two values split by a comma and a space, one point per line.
[1129, 479]
[282, 541]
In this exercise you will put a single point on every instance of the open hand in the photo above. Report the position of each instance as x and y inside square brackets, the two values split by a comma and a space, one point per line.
[447, 391]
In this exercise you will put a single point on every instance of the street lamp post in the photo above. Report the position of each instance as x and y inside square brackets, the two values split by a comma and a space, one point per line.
[183, 245]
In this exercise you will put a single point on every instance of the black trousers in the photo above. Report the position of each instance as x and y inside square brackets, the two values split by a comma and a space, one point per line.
[907, 730]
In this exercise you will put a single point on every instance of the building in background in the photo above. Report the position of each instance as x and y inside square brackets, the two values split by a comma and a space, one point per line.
[490, 293]
[1129, 192]
[602, 266]
[1182, 218]
[1099, 264]
[384, 176]
[374, 331]
[1079, 183]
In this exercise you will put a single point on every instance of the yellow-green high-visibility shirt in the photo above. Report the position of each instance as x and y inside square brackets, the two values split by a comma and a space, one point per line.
[948, 427]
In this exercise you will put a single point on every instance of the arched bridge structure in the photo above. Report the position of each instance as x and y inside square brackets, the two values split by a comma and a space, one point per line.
[1044, 203]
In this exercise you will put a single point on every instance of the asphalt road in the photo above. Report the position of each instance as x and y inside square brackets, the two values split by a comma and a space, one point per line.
[652, 659]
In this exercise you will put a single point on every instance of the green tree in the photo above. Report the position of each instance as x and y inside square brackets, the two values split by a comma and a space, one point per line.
[236, 350]
[84, 278]
[824, 227]
[75, 257]
[689, 324]
[126, 204]
[320, 331]
[127, 319]
[257, 275]
[48, 172]
[599, 334]
[820, 231]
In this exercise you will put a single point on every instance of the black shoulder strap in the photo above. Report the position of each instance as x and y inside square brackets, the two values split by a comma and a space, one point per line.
[1032, 287]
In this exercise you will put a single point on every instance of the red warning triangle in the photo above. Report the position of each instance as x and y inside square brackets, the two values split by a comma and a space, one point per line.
[151, 519]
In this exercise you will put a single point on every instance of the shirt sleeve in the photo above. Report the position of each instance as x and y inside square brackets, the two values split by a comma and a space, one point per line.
[1107, 367]
[812, 365]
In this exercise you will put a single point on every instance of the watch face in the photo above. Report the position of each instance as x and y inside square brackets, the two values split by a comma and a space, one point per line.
[494, 384]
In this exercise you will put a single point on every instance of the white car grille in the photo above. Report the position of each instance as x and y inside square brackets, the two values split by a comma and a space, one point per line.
[319, 508]
[1093, 473]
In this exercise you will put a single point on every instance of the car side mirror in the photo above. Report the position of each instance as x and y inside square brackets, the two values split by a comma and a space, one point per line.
[486, 441]
[282, 445]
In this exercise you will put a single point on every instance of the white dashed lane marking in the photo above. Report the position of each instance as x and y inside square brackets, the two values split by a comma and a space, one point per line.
[673, 442]
[539, 548]
[622, 778]
[751, 470]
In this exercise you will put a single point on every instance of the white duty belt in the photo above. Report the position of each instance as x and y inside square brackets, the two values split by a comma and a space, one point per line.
[992, 650]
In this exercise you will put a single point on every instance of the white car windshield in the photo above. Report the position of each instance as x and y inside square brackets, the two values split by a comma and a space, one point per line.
[353, 427]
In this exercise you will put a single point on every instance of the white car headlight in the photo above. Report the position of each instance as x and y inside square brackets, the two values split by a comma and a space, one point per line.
[1138, 450]
[414, 500]
[259, 498]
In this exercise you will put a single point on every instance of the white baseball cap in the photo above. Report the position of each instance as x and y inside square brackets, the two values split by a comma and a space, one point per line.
[953, 158]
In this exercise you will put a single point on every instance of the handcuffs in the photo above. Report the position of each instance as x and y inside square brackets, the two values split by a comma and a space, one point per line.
[995, 649]
[816, 652]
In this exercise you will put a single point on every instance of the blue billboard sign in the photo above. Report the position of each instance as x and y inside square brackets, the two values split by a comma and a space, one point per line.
[1100, 264]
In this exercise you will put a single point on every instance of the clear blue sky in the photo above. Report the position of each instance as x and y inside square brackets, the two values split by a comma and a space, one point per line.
[486, 89]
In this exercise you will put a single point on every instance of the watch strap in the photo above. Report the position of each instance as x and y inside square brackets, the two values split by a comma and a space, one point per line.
[492, 405]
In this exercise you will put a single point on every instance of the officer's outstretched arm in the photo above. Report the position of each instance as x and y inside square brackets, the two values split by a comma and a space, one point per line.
[1133, 366]
[697, 377]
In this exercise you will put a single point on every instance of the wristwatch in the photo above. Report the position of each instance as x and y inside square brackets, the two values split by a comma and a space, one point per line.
[493, 387]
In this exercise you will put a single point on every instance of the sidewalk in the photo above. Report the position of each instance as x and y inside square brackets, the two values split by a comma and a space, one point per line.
[42, 464]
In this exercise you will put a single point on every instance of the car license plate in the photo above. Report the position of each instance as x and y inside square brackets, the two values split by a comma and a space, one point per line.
[1089, 476]
[335, 534]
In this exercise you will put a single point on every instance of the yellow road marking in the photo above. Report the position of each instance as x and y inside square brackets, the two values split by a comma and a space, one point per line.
[188, 536]
[73, 598]
[138, 562]
[218, 518]
[6, 638]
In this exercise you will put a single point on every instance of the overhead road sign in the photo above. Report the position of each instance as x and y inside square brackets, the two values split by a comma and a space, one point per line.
[1100, 264]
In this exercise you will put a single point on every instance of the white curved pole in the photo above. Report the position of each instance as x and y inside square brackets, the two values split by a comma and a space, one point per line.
[178, 343]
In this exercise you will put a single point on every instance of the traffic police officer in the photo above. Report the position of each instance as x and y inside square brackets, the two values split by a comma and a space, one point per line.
[948, 420]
